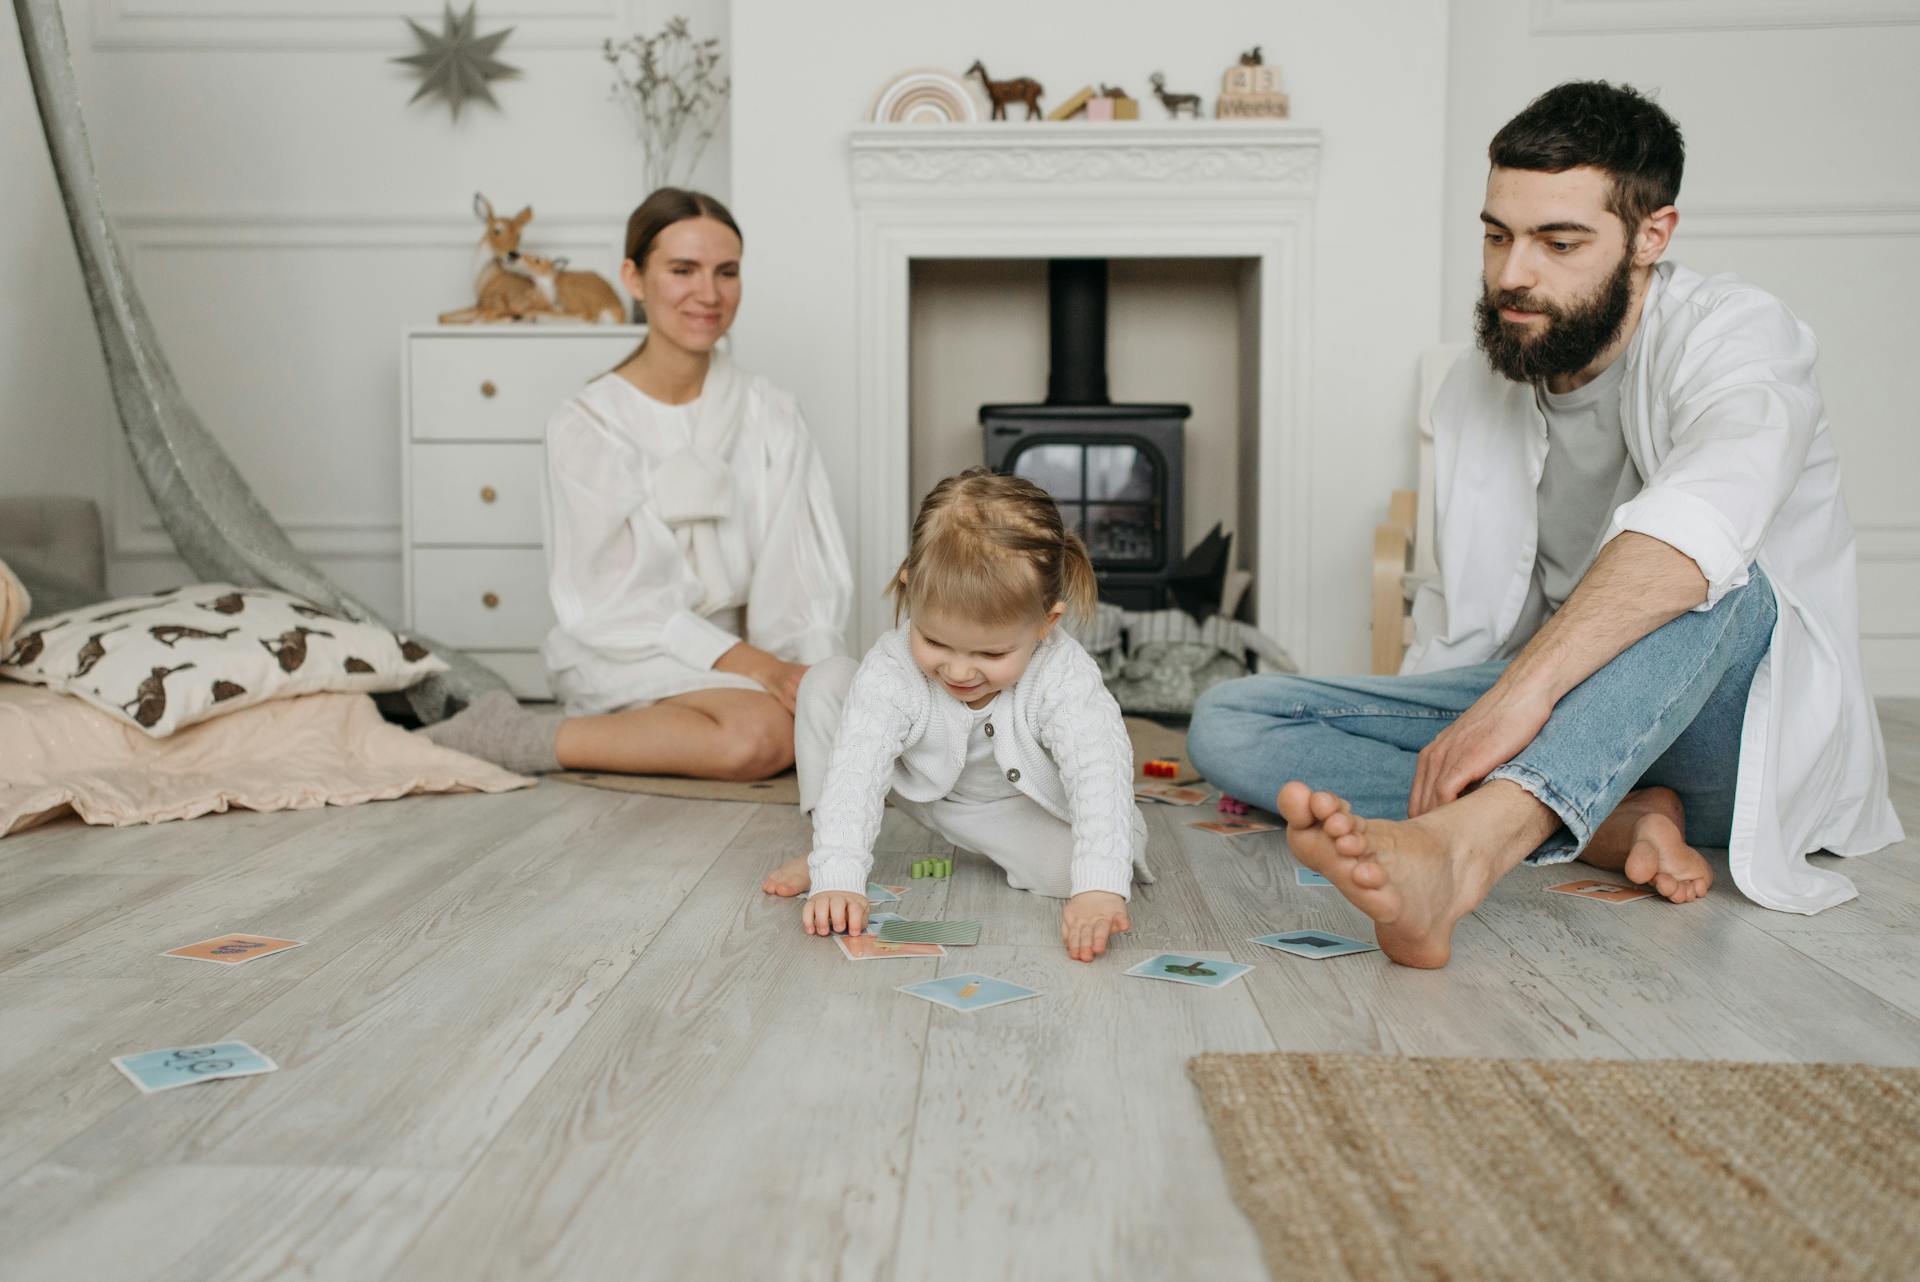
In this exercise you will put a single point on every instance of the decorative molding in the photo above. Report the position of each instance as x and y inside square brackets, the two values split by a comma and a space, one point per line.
[1211, 190]
[1627, 17]
[982, 159]
[230, 25]
[1764, 221]
[134, 529]
[1887, 540]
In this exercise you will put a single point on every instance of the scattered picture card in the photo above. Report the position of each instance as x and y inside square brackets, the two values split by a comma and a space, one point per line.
[1314, 943]
[878, 894]
[1172, 794]
[1304, 876]
[1233, 827]
[878, 919]
[162, 1070]
[969, 992]
[1181, 969]
[231, 950]
[902, 931]
[868, 948]
[1606, 892]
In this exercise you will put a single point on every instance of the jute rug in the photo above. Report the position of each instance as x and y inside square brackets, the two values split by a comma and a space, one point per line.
[1150, 740]
[1376, 1167]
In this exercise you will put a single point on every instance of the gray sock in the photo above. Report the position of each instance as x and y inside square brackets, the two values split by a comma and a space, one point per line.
[496, 728]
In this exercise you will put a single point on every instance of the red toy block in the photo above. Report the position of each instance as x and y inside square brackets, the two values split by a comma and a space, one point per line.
[1159, 768]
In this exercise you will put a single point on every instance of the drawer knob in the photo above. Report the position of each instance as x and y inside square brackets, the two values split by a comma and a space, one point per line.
[491, 600]
[487, 389]
[487, 494]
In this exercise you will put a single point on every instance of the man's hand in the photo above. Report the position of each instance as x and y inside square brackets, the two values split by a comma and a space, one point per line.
[1481, 740]
[835, 912]
[1089, 919]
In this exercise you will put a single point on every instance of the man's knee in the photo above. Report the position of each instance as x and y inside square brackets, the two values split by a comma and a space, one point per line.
[1227, 716]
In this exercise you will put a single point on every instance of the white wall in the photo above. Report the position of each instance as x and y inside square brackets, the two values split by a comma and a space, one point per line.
[1802, 176]
[1371, 76]
[286, 213]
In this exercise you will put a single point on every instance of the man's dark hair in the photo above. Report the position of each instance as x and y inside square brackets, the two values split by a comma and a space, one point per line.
[1610, 127]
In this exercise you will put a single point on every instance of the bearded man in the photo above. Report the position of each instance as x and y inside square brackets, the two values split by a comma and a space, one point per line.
[1644, 637]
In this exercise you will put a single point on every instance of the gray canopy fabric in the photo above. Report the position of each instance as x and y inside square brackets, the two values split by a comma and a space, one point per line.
[217, 524]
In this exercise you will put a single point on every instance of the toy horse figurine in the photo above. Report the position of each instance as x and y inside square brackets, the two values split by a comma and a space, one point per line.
[1002, 92]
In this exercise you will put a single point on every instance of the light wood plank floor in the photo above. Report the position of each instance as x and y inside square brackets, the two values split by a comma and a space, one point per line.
[561, 1034]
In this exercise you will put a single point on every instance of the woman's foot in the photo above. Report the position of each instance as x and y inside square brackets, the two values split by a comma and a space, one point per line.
[1416, 878]
[789, 879]
[1645, 838]
[496, 728]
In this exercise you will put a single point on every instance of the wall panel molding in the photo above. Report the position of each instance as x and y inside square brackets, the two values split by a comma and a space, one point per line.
[134, 529]
[1626, 17]
[1764, 220]
[310, 25]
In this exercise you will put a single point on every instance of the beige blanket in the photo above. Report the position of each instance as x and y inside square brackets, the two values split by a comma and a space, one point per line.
[59, 754]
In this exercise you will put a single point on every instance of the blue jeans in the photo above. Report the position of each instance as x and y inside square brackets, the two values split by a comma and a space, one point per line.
[1667, 711]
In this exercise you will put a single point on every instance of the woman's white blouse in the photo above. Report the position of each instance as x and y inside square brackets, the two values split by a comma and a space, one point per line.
[636, 623]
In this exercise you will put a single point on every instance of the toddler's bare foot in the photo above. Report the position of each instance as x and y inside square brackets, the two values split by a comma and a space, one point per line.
[789, 879]
[1410, 876]
[1645, 838]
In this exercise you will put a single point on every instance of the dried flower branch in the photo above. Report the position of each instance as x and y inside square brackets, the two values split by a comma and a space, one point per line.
[670, 84]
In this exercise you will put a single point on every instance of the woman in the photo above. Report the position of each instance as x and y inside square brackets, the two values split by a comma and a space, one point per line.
[696, 564]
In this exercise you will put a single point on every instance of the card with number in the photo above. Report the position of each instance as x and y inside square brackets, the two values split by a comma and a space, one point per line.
[231, 950]
[163, 1070]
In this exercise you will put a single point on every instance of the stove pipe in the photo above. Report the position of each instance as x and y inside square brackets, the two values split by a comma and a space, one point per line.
[1077, 331]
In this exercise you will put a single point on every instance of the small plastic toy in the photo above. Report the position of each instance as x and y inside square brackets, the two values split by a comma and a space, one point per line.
[1160, 768]
[940, 868]
[1230, 805]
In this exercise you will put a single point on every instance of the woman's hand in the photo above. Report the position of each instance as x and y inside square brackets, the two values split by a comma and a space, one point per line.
[1089, 919]
[774, 675]
[835, 912]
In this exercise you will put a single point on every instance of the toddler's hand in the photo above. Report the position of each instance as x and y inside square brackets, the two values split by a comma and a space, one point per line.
[1087, 921]
[835, 912]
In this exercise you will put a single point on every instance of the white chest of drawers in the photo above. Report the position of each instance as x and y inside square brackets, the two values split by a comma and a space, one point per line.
[474, 404]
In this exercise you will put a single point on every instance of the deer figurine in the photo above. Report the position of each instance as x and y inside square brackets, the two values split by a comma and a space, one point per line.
[581, 295]
[1174, 102]
[499, 294]
[1001, 92]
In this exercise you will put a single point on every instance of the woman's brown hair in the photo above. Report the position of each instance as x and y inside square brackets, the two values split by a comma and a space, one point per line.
[993, 548]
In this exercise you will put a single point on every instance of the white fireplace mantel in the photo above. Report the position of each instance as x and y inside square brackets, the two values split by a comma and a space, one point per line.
[1011, 189]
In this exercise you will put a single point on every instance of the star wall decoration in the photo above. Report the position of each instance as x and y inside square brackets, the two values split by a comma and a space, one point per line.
[456, 64]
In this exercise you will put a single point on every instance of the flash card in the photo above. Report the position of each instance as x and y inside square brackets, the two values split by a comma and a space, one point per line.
[1606, 892]
[1233, 827]
[868, 948]
[163, 1070]
[1304, 876]
[1172, 794]
[1314, 943]
[231, 950]
[969, 992]
[1182, 969]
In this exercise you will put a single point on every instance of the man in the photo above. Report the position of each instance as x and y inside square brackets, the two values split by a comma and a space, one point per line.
[1644, 637]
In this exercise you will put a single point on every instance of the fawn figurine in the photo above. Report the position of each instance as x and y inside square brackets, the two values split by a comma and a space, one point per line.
[581, 295]
[499, 294]
[1001, 92]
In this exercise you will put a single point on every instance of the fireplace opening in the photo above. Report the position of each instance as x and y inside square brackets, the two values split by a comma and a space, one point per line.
[1116, 471]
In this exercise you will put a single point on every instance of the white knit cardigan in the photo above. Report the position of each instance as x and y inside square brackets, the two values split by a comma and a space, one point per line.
[1058, 738]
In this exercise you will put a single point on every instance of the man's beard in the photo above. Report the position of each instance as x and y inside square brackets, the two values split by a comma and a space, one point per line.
[1572, 337]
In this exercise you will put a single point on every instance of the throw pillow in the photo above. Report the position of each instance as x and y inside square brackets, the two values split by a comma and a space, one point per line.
[174, 658]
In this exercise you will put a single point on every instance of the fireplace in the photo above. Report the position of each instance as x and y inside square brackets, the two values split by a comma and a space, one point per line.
[1114, 470]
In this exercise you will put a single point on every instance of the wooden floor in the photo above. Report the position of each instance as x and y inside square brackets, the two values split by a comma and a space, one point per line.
[561, 1034]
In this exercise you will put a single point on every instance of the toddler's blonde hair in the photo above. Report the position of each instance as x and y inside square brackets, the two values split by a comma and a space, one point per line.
[992, 548]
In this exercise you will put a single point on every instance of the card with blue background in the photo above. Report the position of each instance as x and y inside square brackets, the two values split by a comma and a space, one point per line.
[1308, 877]
[1314, 943]
[969, 992]
[163, 1070]
[1182, 969]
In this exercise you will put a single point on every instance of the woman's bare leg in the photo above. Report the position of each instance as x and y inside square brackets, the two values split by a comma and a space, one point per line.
[738, 735]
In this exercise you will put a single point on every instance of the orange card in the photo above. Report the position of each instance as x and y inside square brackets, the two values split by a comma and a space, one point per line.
[231, 950]
[873, 948]
[1607, 892]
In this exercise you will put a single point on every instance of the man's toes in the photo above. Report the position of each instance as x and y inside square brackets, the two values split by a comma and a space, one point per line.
[1326, 805]
[1369, 875]
[1292, 803]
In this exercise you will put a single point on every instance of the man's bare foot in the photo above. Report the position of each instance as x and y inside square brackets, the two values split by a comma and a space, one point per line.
[1645, 838]
[789, 879]
[1416, 878]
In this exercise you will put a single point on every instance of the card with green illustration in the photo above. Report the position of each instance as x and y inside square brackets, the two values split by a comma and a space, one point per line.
[1179, 968]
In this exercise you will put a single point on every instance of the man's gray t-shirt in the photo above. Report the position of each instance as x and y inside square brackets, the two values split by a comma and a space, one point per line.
[1587, 475]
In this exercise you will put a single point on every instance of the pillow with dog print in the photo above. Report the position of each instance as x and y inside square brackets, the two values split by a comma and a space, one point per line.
[173, 658]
